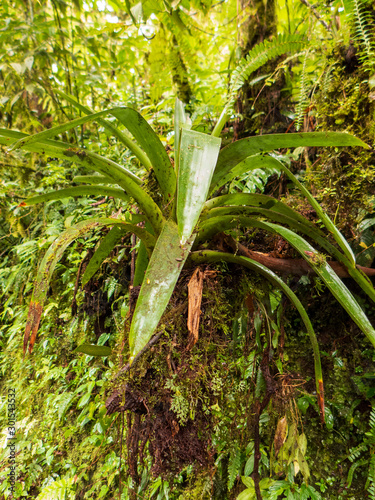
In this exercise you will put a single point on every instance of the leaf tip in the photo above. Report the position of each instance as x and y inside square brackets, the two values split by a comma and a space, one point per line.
[32, 325]
[321, 401]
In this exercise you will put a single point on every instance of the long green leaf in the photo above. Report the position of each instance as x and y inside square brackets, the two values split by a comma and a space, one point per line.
[252, 199]
[60, 194]
[232, 155]
[208, 229]
[318, 264]
[197, 160]
[106, 246]
[248, 164]
[139, 128]
[51, 258]
[94, 350]
[93, 179]
[164, 268]
[134, 148]
[61, 150]
[104, 166]
[204, 256]
[340, 240]
[306, 227]
[327, 274]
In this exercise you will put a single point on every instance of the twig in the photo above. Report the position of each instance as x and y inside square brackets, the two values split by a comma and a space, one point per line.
[260, 406]
[128, 366]
[119, 468]
[316, 14]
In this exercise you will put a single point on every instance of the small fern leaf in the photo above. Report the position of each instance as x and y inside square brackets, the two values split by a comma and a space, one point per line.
[260, 55]
[352, 469]
[371, 478]
[364, 29]
[303, 95]
[234, 467]
[58, 490]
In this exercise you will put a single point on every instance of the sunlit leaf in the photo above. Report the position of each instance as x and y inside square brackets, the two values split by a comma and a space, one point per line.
[197, 160]
[164, 268]
[94, 350]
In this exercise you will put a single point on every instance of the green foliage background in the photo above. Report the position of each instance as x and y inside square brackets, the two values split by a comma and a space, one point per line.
[141, 55]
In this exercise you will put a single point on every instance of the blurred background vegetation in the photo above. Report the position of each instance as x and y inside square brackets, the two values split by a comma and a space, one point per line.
[123, 53]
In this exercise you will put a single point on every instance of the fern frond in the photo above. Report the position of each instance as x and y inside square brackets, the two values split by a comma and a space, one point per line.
[259, 56]
[303, 94]
[371, 478]
[327, 79]
[352, 469]
[372, 420]
[356, 452]
[364, 28]
[234, 467]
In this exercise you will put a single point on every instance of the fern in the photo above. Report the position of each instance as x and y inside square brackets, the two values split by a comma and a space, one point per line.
[327, 79]
[259, 56]
[368, 445]
[371, 478]
[364, 28]
[234, 467]
[303, 94]
[58, 490]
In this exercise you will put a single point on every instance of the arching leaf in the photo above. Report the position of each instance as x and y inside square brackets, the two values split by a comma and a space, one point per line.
[51, 258]
[60, 194]
[106, 246]
[92, 161]
[232, 155]
[197, 159]
[212, 256]
[139, 128]
[164, 268]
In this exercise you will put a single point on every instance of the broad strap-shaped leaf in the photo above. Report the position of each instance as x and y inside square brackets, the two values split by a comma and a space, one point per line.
[51, 258]
[248, 164]
[305, 226]
[94, 350]
[197, 160]
[251, 199]
[180, 121]
[138, 127]
[92, 161]
[232, 155]
[212, 256]
[110, 127]
[207, 228]
[62, 150]
[317, 263]
[93, 179]
[211, 226]
[60, 194]
[341, 241]
[106, 245]
[163, 271]
[327, 274]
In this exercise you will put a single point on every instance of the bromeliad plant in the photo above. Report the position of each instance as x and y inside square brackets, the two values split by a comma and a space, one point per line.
[188, 214]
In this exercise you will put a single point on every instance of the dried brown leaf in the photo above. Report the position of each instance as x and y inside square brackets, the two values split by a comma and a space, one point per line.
[195, 288]
[32, 325]
[280, 434]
